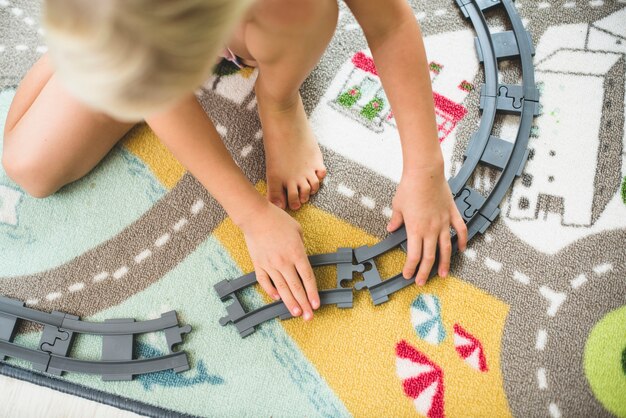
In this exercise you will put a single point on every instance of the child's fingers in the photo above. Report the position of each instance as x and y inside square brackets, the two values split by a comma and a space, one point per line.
[266, 283]
[445, 251]
[297, 290]
[285, 294]
[395, 222]
[292, 196]
[413, 255]
[428, 259]
[308, 278]
[461, 229]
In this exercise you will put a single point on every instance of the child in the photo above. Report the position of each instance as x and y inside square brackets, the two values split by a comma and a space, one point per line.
[115, 62]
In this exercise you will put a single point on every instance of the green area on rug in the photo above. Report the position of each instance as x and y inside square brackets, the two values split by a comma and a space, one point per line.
[604, 361]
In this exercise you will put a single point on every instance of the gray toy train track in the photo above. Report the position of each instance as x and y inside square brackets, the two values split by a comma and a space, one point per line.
[59, 329]
[484, 148]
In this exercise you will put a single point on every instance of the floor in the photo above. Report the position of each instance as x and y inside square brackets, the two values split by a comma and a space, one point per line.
[23, 399]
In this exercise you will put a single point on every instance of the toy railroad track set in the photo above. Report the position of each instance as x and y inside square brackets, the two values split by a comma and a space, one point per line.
[478, 211]
[59, 329]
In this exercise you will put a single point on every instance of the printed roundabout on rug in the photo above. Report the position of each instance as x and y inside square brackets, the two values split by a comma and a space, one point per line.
[530, 323]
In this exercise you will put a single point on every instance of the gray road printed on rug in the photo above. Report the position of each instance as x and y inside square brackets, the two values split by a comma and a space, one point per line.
[567, 386]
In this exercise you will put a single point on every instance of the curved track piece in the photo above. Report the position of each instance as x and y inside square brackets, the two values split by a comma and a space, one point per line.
[176, 361]
[227, 287]
[484, 148]
[477, 211]
[246, 321]
[70, 323]
[117, 362]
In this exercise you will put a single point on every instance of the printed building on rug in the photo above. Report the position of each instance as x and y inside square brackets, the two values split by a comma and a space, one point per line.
[363, 99]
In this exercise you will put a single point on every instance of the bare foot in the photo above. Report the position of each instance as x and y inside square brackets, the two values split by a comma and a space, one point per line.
[295, 166]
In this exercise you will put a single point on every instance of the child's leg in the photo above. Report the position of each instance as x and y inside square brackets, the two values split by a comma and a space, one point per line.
[285, 56]
[50, 138]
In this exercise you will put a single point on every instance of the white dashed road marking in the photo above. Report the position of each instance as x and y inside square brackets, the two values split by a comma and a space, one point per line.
[162, 240]
[603, 268]
[246, 150]
[556, 299]
[542, 380]
[521, 277]
[555, 412]
[470, 253]
[121, 272]
[180, 224]
[578, 281]
[197, 207]
[542, 339]
[76, 287]
[345, 190]
[142, 256]
[100, 276]
[493, 264]
[53, 296]
[368, 202]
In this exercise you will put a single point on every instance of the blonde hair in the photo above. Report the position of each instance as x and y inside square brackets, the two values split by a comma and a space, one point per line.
[131, 58]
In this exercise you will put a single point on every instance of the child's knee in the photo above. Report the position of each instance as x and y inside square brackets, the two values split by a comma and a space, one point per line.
[28, 173]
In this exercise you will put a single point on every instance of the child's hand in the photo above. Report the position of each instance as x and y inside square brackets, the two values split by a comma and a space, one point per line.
[424, 203]
[282, 268]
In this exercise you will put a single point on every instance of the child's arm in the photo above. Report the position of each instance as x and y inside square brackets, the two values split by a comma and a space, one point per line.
[423, 200]
[274, 239]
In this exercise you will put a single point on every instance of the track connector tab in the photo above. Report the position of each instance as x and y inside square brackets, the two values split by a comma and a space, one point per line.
[345, 271]
[55, 340]
[482, 5]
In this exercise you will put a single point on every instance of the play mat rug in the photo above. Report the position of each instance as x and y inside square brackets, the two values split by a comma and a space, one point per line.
[532, 321]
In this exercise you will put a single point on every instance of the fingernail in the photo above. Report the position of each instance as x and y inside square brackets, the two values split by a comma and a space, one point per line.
[276, 296]
[296, 311]
[315, 304]
[307, 316]
[444, 273]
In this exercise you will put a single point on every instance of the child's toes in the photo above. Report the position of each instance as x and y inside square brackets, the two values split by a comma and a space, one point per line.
[305, 190]
[314, 182]
[321, 173]
[293, 197]
[276, 194]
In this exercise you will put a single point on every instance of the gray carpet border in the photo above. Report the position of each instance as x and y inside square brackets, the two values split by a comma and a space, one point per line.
[88, 393]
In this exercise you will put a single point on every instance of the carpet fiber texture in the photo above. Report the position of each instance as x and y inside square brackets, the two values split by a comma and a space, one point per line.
[532, 321]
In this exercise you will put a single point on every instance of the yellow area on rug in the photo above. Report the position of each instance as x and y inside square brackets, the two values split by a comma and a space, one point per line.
[354, 349]
[142, 142]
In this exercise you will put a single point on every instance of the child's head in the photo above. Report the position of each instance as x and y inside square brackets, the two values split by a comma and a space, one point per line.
[131, 58]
